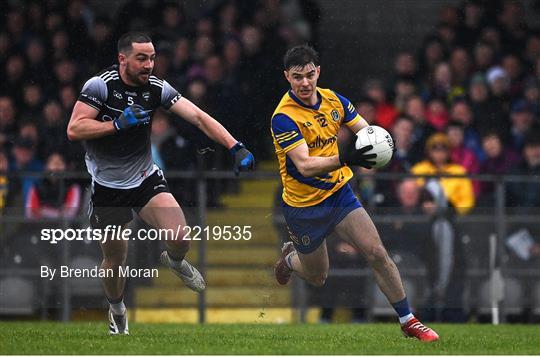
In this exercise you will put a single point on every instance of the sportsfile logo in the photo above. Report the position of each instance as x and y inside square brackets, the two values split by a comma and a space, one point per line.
[114, 232]
[320, 142]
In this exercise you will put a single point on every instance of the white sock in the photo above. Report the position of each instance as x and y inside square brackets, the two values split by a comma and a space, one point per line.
[174, 263]
[288, 258]
[403, 320]
[118, 308]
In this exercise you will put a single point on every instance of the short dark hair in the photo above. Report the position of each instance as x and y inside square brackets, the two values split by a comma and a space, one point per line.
[125, 41]
[300, 56]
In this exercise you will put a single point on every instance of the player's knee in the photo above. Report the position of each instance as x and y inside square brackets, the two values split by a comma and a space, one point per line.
[178, 244]
[318, 279]
[377, 255]
[115, 260]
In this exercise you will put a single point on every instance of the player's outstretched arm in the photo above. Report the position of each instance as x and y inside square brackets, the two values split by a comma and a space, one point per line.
[310, 166]
[84, 126]
[243, 159]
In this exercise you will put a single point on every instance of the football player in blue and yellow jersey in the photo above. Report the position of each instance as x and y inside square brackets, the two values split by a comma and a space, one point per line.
[317, 198]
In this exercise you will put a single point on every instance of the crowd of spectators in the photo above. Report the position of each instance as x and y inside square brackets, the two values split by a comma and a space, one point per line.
[475, 85]
[223, 57]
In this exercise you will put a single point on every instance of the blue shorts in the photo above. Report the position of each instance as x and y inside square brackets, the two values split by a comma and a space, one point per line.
[309, 226]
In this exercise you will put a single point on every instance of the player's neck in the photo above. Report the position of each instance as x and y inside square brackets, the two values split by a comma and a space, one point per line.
[312, 101]
[125, 78]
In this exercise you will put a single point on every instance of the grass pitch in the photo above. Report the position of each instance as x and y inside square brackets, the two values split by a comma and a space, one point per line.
[92, 338]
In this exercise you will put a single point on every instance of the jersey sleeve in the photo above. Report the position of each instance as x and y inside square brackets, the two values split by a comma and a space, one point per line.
[169, 95]
[286, 133]
[351, 115]
[94, 93]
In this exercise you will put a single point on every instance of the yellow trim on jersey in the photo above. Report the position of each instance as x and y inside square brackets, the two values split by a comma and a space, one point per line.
[292, 146]
[353, 121]
[319, 128]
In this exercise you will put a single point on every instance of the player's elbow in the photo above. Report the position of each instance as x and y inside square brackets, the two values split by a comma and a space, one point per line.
[72, 134]
[307, 170]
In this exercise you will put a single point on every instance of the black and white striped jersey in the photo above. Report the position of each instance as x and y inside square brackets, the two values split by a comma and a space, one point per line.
[123, 160]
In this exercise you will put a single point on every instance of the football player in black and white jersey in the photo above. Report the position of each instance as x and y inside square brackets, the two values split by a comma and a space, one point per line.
[113, 117]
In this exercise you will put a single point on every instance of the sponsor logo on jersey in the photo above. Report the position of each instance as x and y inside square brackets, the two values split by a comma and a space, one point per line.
[335, 115]
[320, 142]
[146, 95]
[307, 124]
[133, 94]
[93, 99]
[117, 95]
[175, 99]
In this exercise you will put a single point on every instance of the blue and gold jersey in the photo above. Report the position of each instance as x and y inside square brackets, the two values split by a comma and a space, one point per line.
[295, 123]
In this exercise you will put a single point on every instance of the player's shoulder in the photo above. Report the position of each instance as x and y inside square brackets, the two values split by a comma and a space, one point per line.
[156, 81]
[108, 74]
[333, 96]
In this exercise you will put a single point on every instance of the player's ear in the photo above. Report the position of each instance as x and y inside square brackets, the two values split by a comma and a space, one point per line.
[286, 73]
[121, 59]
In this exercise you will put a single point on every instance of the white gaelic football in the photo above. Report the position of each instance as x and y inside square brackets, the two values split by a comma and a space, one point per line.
[382, 142]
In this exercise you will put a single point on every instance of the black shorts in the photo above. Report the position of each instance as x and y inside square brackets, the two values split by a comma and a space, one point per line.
[112, 206]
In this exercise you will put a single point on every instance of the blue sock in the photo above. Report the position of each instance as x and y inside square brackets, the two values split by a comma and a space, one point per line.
[402, 307]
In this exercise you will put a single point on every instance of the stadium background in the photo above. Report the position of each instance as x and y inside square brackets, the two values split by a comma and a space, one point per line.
[226, 57]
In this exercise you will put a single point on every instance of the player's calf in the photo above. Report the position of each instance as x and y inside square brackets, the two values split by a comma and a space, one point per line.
[317, 280]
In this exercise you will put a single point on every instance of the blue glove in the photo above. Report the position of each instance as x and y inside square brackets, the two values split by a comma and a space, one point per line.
[243, 159]
[132, 116]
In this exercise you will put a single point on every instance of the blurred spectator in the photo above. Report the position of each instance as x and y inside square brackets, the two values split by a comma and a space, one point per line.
[4, 181]
[499, 85]
[484, 56]
[24, 160]
[8, 126]
[461, 112]
[498, 161]
[431, 54]
[402, 161]
[531, 94]
[460, 63]
[15, 76]
[33, 101]
[459, 154]
[436, 114]
[522, 116]
[385, 112]
[448, 192]
[172, 24]
[365, 106]
[53, 197]
[487, 111]
[415, 109]
[473, 18]
[404, 88]
[35, 54]
[102, 44]
[54, 127]
[527, 194]
[513, 67]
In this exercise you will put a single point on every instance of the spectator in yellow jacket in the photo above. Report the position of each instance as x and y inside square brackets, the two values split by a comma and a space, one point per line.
[447, 191]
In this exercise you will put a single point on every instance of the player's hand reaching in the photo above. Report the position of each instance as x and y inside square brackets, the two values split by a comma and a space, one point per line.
[132, 116]
[243, 159]
[351, 156]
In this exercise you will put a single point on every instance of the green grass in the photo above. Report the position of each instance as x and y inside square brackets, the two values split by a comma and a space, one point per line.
[91, 338]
